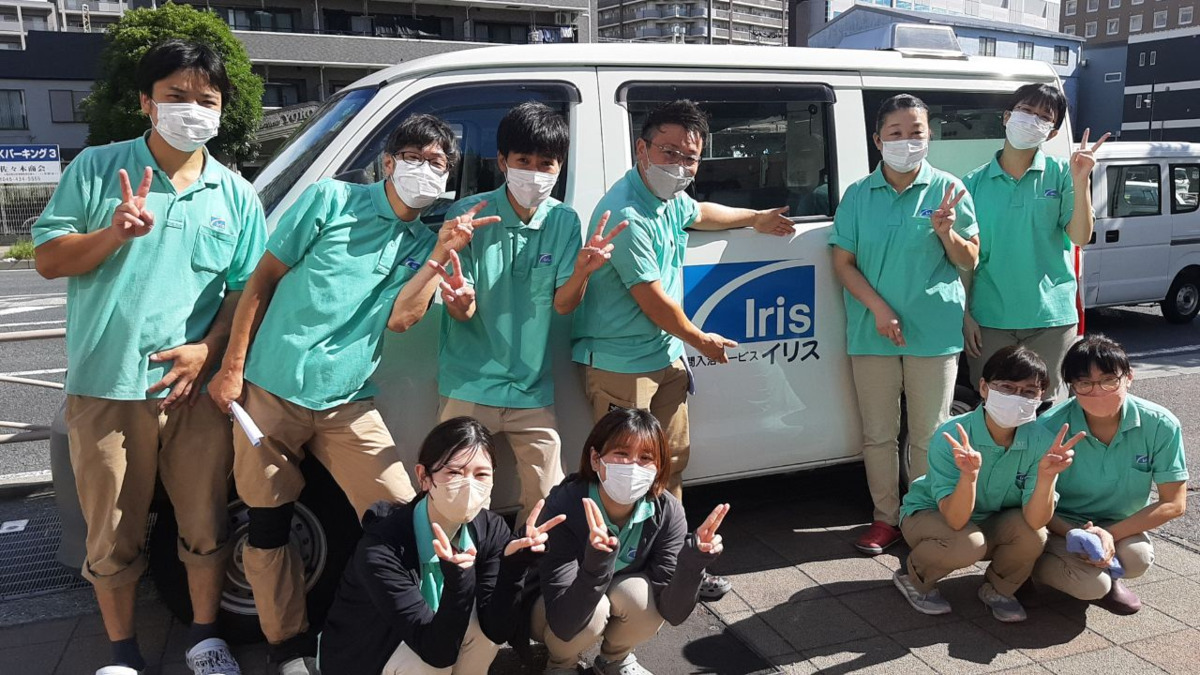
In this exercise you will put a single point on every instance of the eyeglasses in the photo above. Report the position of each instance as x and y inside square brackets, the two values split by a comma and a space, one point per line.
[1010, 389]
[1048, 119]
[1085, 387]
[677, 157]
[438, 163]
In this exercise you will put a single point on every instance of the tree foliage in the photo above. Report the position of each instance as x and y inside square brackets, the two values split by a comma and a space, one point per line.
[113, 110]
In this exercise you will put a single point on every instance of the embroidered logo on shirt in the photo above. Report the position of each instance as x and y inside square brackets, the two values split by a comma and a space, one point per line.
[925, 213]
[1021, 477]
[1142, 459]
[631, 555]
[217, 224]
[1052, 194]
[545, 259]
[412, 264]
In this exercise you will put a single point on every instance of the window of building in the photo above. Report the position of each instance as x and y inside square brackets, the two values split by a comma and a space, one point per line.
[274, 20]
[12, 109]
[987, 46]
[1113, 27]
[280, 93]
[1185, 16]
[1137, 101]
[1135, 23]
[1069, 30]
[1153, 56]
[1025, 50]
[1062, 56]
[1134, 191]
[1071, 7]
[1136, 2]
[1141, 58]
[1114, 4]
[1113, 77]
[1160, 19]
[67, 106]
[1089, 30]
[1093, 5]
[1186, 187]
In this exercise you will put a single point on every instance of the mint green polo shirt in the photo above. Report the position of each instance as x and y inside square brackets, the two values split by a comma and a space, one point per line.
[1007, 477]
[500, 356]
[349, 255]
[631, 534]
[431, 580]
[1025, 278]
[1109, 483]
[157, 291]
[610, 331]
[896, 249]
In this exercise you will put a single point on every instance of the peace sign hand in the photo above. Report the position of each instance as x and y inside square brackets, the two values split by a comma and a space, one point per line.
[456, 233]
[707, 539]
[599, 248]
[943, 217]
[966, 458]
[535, 536]
[131, 219]
[443, 549]
[598, 535]
[1059, 455]
[1083, 160]
[456, 293]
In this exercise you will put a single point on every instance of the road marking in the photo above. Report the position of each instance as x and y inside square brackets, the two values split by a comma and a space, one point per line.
[32, 323]
[26, 477]
[1164, 352]
[47, 371]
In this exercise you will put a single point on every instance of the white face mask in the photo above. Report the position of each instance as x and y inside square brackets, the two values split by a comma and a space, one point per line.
[461, 499]
[1009, 410]
[1025, 131]
[417, 186]
[186, 126]
[627, 483]
[530, 188]
[906, 155]
[667, 181]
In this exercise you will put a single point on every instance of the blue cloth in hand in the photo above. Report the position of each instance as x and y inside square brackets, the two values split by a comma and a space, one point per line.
[1082, 541]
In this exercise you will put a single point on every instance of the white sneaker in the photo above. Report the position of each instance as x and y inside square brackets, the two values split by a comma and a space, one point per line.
[212, 657]
[302, 666]
[931, 603]
[626, 666]
[116, 670]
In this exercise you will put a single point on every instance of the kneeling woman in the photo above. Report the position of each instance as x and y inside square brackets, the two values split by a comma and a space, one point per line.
[989, 491]
[433, 586]
[623, 561]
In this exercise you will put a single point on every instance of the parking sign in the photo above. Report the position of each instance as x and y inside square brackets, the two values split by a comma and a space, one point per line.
[29, 164]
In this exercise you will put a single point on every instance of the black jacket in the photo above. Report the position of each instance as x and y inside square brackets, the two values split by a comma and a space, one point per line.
[379, 604]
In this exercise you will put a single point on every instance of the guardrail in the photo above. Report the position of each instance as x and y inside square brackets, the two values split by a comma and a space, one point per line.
[29, 432]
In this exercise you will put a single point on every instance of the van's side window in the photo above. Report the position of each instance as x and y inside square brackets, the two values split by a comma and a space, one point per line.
[1134, 190]
[1185, 189]
[474, 112]
[770, 145]
[966, 128]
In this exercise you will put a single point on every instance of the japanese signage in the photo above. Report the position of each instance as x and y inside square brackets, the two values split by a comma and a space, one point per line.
[25, 164]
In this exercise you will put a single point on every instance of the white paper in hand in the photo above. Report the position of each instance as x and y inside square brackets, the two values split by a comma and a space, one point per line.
[247, 424]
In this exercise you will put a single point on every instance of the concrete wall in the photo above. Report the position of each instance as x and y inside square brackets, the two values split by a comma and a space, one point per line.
[69, 136]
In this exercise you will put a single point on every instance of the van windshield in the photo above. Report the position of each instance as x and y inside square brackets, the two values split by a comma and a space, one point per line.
[294, 158]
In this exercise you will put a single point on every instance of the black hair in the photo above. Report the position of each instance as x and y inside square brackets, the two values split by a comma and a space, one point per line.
[683, 112]
[1041, 96]
[635, 427]
[1015, 363]
[422, 130]
[533, 128]
[172, 56]
[897, 102]
[1095, 350]
[452, 436]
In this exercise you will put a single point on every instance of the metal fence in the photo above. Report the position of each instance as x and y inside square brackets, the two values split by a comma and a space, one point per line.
[25, 431]
[20, 206]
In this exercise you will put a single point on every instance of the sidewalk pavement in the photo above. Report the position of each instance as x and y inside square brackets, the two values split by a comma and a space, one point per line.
[804, 600]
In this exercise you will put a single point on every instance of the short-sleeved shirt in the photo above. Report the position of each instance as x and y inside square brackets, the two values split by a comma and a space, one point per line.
[1025, 277]
[895, 248]
[611, 332]
[349, 254]
[158, 291]
[1109, 483]
[1007, 476]
[500, 356]
[631, 533]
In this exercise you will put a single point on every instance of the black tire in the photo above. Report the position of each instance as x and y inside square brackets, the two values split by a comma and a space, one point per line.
[1183, 299]
[965, 400]
[325, 528]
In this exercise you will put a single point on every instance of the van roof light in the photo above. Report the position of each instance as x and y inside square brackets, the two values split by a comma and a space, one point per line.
[924, 40]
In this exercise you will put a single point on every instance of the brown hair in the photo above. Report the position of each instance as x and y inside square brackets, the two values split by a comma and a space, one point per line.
[628, 427]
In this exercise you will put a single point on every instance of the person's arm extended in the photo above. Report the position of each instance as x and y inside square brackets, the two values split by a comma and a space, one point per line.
[414, 299]
[1083, 219]
[972, 335]
[712, 216]
[572, 588]
[74, 254]
[958, 507]
[962, 252]
[669, 316]
[676, 568]
[1040, 508]
[226, 387]
[1171, 503]
[1039, 505]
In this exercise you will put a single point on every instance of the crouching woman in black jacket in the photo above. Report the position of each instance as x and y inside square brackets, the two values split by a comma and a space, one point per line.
[433, 586]
[623, 562]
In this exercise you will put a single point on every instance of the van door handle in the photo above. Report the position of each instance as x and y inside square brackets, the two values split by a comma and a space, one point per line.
[1112, 235]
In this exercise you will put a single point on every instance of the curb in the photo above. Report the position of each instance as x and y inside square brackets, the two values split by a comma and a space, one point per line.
[16, 265]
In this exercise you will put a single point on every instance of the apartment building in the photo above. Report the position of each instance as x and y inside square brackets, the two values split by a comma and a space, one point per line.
[1103, 22]
[812, 15]
[43, 86]
[18, 17]
[746, 22]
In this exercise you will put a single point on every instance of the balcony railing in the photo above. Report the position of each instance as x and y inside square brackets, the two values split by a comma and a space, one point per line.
[109, 7]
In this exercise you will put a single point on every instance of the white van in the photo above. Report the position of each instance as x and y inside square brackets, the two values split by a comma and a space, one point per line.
[1146, 248]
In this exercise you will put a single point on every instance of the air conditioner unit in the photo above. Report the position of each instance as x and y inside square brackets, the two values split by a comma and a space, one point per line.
[564, 18]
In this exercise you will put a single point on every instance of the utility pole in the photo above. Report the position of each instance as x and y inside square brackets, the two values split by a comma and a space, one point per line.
[710, 22]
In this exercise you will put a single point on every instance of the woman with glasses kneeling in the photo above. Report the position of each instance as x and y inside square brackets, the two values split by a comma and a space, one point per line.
[623, 562]
[1106, 506]
[988, 493]
[433, 586]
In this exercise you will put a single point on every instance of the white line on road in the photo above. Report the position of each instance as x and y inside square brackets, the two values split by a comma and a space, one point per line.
[1164, 352]
[25, 477]
[47, 371]
[32, 323]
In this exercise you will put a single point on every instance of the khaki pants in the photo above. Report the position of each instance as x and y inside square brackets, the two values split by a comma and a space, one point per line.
[928, 386]
[624, 618]
[474, 657]
[662, 392]
[118, 448]
[1004, 538]
[352, 441]
[1078, 578]
[533, 435]
[1049, 343]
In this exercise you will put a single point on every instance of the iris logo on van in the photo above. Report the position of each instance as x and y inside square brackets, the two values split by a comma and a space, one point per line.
[752, 301]
[1052, 194]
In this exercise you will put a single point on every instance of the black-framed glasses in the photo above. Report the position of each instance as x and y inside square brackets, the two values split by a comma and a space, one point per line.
[1030, 111]
[439, 163]
[1010, 389]
[1085, 387]
[677, 157]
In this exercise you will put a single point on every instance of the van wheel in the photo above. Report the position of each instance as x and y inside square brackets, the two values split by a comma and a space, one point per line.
[1183, 300]
[324, 528]
[965, 400]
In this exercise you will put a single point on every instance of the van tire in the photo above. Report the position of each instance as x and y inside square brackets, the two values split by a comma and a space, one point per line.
[965, 400]
[325, 526]
[1183, 299]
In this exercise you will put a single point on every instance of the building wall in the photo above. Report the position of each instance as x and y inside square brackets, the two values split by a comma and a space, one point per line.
[731, 21]
[1101, 89]
[1162, 88]
[1078, 14]
[1042, 14]
[70, 136]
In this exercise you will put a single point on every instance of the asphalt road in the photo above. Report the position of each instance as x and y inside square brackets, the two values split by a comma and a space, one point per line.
[1166, 361]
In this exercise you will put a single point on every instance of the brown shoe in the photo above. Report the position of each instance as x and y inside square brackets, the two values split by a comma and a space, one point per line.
[1120, 600]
